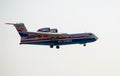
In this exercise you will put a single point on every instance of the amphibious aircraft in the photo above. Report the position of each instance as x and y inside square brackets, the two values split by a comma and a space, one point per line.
[51, 37]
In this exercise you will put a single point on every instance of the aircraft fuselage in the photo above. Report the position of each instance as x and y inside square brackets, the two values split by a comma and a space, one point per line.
[71, 39]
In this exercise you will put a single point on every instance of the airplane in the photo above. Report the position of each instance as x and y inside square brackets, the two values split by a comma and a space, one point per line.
[51, 37]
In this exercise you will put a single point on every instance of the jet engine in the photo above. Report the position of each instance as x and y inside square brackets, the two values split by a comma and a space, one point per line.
[44, 30]
[53, 30]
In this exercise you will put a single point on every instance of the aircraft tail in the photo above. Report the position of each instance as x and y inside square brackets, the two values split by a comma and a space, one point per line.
[20, 27]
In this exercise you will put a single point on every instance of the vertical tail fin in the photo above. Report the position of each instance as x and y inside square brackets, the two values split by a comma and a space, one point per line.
[20, 27]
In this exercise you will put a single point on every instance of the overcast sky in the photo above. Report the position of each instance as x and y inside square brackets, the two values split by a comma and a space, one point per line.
[101, 58]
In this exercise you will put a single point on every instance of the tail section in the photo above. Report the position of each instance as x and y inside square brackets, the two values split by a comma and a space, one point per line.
[20, 27]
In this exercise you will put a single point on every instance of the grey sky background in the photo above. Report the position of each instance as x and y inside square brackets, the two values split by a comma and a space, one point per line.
[101, 58]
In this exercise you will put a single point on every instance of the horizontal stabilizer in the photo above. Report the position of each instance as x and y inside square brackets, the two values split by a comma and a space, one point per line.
[10, 23]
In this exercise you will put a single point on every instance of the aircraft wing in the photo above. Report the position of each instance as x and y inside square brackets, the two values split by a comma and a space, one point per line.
[54, 35]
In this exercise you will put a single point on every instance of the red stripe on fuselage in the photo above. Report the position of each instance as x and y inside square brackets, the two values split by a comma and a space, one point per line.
[50, 39]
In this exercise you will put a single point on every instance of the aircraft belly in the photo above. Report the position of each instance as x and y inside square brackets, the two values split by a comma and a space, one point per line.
[39, 43]
[88, 40]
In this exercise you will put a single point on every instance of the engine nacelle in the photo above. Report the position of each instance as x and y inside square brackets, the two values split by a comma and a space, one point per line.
[53, 30]
[43, 30]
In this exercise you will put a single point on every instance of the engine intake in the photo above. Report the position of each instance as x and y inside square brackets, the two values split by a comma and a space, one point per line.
[44, 30]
